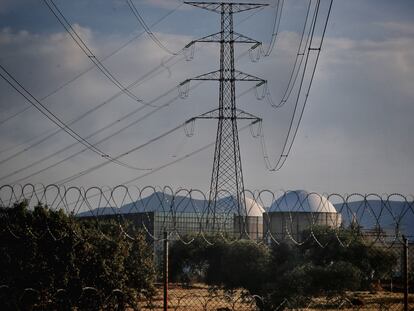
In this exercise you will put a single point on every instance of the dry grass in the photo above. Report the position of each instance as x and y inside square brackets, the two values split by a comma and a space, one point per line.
[362, 301]
[199, 297]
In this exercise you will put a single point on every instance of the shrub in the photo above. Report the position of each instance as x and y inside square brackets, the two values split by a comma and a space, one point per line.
[48, 250]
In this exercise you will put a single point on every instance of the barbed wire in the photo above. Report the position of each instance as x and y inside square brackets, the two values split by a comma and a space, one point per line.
[266, 216]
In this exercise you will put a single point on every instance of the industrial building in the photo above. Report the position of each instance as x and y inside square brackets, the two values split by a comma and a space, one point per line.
[183, 217]
[296, 211]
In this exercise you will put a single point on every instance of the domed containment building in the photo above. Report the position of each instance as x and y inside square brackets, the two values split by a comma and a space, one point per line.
[297, 211]
[249, 223]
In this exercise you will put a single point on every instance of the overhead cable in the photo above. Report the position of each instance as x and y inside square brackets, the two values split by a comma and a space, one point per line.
[300, 54]
[91, 169]
[169, 102]
[147, 76]
[65, 148]
[52, 117]
[184, 157]
[275, 27]
[47, 157]
[298, 111]
[147, 29]
[85, 49]
[124, 45]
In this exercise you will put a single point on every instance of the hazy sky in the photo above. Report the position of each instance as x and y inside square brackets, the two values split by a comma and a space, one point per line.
[356, 131]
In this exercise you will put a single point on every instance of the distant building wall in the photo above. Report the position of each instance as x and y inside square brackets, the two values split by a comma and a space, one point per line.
[290, 225]
[249, 227]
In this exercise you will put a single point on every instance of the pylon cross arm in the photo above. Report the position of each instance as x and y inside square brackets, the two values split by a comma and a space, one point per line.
[215, 76]
[217, 7]
[239, 114]
[241, 76]
[216, 38]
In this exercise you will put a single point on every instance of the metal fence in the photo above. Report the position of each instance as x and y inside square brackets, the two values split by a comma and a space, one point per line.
[197, 297]
[275, 216]
[382, 222]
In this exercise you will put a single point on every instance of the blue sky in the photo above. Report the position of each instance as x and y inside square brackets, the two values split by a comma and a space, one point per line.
[356, 131]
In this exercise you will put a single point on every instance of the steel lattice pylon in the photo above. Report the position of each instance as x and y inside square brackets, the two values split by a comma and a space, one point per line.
[227, 174]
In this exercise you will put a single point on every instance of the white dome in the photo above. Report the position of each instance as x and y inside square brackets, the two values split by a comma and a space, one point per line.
[253, 208]
[302, 201]
[229, 204]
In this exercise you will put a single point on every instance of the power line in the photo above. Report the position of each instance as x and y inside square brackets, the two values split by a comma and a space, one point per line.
[275, 27]
[85, 49]
[49, 156]
[90, 170]
[128, 115]
[290, 138]
[299, 54]
[266, 93]
[82, 116]
[184, 157]
[106, 138]
[147, 29]
[52, 117]
[96, 167]
[146, 77]
[168, 103]
[91, 67]
[159, 168]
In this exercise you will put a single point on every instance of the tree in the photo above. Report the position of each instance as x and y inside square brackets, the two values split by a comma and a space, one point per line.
[244, 265]
[298, 273]
[188, 262]
[48, 250]
[374, 261]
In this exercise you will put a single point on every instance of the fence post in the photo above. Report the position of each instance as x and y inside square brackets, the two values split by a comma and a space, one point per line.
[405, 272]
[165, 270]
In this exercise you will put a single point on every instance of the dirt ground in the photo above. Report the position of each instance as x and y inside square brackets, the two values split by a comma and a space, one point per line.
[199, 297]
[364, 301]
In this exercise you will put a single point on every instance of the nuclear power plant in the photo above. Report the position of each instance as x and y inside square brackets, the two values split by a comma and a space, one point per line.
[284, 220]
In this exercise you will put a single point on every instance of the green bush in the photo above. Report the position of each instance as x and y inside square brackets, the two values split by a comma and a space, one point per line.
[245, 265]
[48, 250]
[241, 263]
[321, 266]
[286, 275]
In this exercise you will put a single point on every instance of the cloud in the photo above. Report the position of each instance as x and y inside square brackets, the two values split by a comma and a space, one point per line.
[42, 62]
[358, 118]
[389, 62]
[402, 29]
[355, 134]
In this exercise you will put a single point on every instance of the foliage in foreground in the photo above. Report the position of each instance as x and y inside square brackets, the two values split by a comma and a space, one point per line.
[49, 250]
[286, 272]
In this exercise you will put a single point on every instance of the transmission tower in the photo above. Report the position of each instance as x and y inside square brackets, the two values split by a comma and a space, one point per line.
[227, 174]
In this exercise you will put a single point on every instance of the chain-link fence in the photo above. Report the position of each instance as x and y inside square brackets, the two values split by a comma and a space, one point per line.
[102, 249]
[194, 297]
